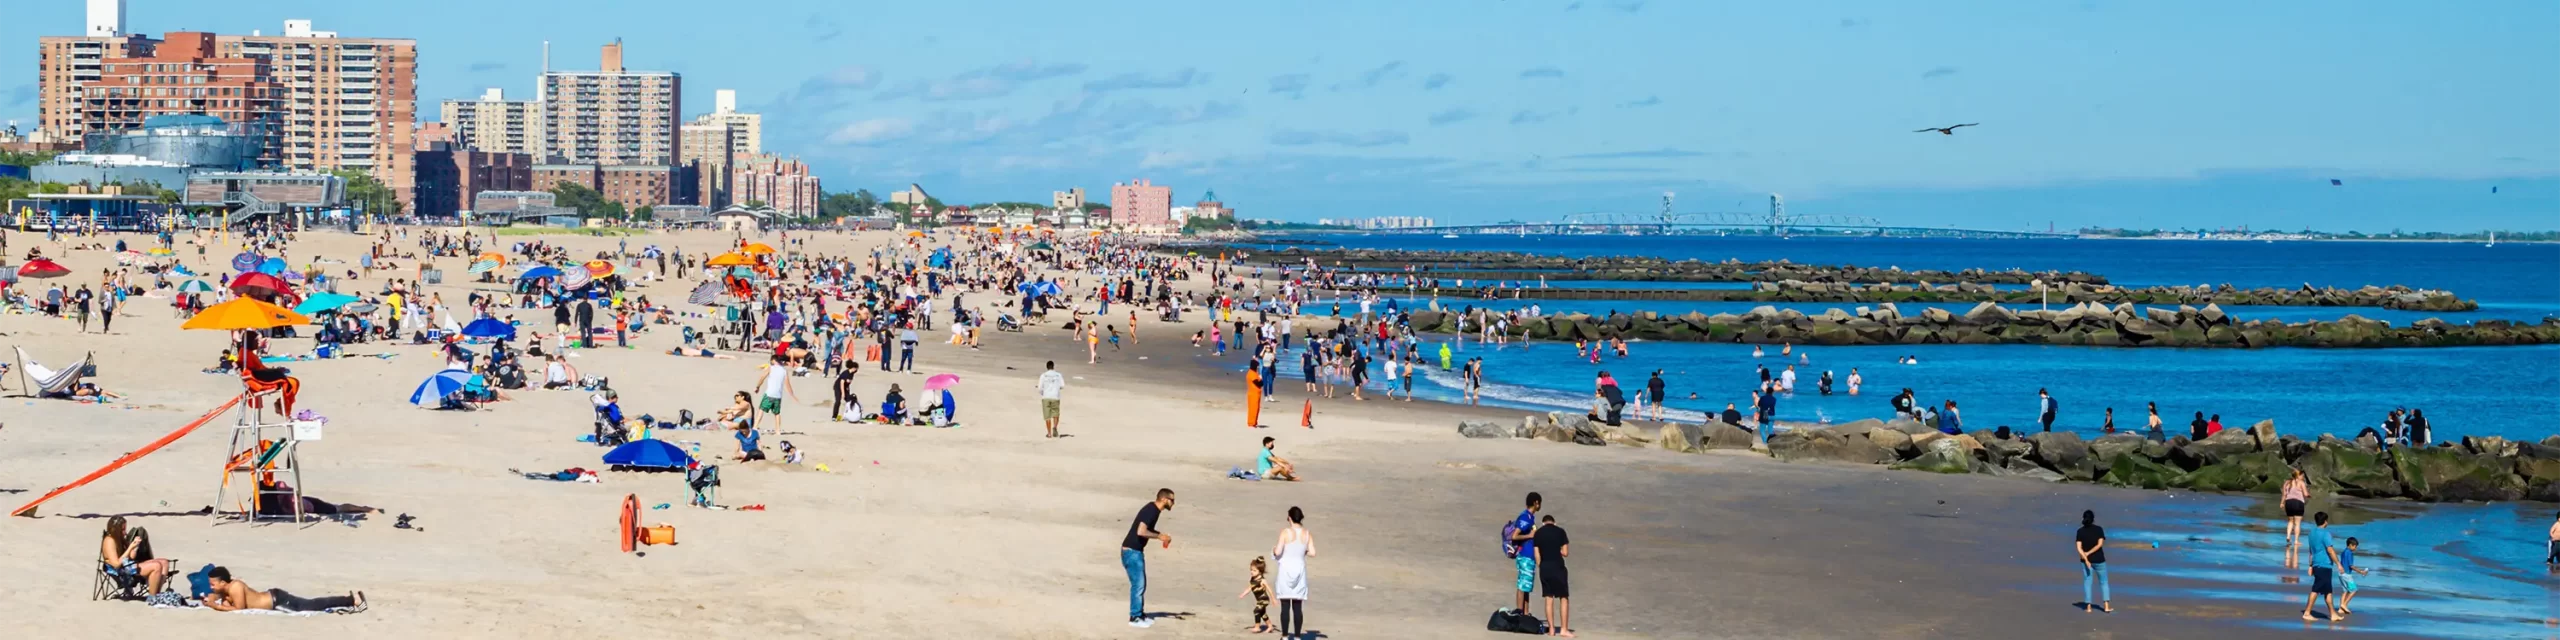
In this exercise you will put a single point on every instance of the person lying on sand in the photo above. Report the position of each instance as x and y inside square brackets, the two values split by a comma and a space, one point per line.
[699, 352]
[234, 595]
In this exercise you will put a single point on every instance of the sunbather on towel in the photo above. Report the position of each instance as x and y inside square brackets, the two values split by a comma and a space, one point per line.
[234, 595]
[699, 352]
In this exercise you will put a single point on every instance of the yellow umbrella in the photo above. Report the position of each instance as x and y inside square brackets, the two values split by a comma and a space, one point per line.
[755, 247]
[245, 313]
[161, 252]
[915, 234]
[731, 260]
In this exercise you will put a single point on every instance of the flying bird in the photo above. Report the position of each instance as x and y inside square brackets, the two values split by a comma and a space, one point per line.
[1947, 130]
[2334, 182]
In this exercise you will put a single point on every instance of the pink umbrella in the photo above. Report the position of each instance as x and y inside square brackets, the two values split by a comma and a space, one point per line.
[941, 381]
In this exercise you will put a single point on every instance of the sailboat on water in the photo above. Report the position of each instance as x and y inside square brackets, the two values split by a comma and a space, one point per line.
[2493, 239]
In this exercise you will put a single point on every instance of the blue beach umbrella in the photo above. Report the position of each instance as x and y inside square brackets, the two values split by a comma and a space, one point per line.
[272, 266]
[244, 262]
[323, 301]
[649, 454]
[489, 328]
[443, 385]
[544, 271]
[183, 270]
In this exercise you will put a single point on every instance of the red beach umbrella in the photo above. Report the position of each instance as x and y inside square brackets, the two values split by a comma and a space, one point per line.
[263, 287]
[43, 268]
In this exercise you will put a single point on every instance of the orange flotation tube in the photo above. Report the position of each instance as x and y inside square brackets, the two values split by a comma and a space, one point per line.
[629, 532]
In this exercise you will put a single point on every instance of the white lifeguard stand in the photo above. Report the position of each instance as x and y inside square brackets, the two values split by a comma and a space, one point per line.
[263, 444]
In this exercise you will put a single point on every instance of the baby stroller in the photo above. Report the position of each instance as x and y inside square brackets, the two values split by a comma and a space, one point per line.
[609, 434]
[1005, 322]
[705, 483]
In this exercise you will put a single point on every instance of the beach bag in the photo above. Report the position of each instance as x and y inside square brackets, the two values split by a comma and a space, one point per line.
[1515, 622]
[200, 583]
[1508, 550]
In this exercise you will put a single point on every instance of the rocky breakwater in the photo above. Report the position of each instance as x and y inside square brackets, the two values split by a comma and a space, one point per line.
[2086, 324]
[2252, 460]
[1498, 265]
[2392, 297]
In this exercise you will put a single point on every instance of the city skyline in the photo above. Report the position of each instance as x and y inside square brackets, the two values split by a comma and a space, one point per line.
[2166, 115]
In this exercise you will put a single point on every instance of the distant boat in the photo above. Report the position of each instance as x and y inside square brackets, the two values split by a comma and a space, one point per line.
[1449, 235]
[2493, 239]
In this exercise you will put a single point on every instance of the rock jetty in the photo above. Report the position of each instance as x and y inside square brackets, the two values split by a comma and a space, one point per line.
[2086, 324]
[1494, 265]
[2392, 297]
[2252, 460]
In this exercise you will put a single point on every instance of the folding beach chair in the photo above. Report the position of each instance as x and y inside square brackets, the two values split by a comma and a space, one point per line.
[705, 482]
[114, 584]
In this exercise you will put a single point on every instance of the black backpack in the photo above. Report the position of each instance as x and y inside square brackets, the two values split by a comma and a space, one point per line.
[1515, 622]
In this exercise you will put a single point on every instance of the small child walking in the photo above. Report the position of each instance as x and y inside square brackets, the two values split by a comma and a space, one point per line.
[2347, 573]
[1260, 589]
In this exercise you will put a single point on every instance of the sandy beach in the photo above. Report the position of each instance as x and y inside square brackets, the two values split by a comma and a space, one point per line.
[988, 530]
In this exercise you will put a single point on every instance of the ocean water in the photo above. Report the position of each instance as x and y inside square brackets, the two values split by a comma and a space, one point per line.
[2443, 570]
[2507, 391]
[2450, 571]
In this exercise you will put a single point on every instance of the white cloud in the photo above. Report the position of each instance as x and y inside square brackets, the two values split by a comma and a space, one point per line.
[873, 131]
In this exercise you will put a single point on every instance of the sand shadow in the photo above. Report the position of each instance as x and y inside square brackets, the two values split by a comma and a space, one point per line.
[1174, 615]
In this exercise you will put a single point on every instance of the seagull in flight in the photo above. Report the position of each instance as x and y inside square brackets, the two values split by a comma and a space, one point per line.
[1947, 130]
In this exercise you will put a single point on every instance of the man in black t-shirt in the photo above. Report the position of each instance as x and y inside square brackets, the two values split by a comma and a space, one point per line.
[1552, 546]
[1133, 553]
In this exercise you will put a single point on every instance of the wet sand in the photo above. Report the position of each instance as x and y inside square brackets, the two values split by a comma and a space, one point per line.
[988, 530]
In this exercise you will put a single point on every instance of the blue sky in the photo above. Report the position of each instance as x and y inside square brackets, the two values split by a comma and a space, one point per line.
[2144, 114]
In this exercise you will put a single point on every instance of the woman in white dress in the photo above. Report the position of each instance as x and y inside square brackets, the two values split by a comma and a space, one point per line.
[1289, 582]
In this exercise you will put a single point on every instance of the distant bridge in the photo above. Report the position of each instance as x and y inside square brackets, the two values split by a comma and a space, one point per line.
[1777, 221]
[1604, 223]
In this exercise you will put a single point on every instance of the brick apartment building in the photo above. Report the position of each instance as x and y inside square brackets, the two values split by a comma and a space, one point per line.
[634, 186]
[450, 177]
[330, 103]
[352, 102]
[1142, 206]
[782, 185]
[184, 74]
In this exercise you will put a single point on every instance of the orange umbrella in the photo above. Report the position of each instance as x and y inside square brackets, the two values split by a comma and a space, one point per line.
[731, 260]
[599, 268]
[915, 234]
[755, 247]
[492, 256]
[245, 313]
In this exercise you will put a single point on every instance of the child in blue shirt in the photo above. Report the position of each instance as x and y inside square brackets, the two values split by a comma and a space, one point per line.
[2347, 574]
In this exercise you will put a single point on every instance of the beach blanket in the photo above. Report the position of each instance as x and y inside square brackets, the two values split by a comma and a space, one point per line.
[199, 606]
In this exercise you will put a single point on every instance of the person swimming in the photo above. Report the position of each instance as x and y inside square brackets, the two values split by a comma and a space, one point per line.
[1756, 352]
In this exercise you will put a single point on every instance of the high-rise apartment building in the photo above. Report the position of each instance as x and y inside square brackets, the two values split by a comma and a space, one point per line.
[495, 124]
[352, 102]
[748, 139]
[709, 151]
[185, 75]
[611, 116]
[65, 65]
